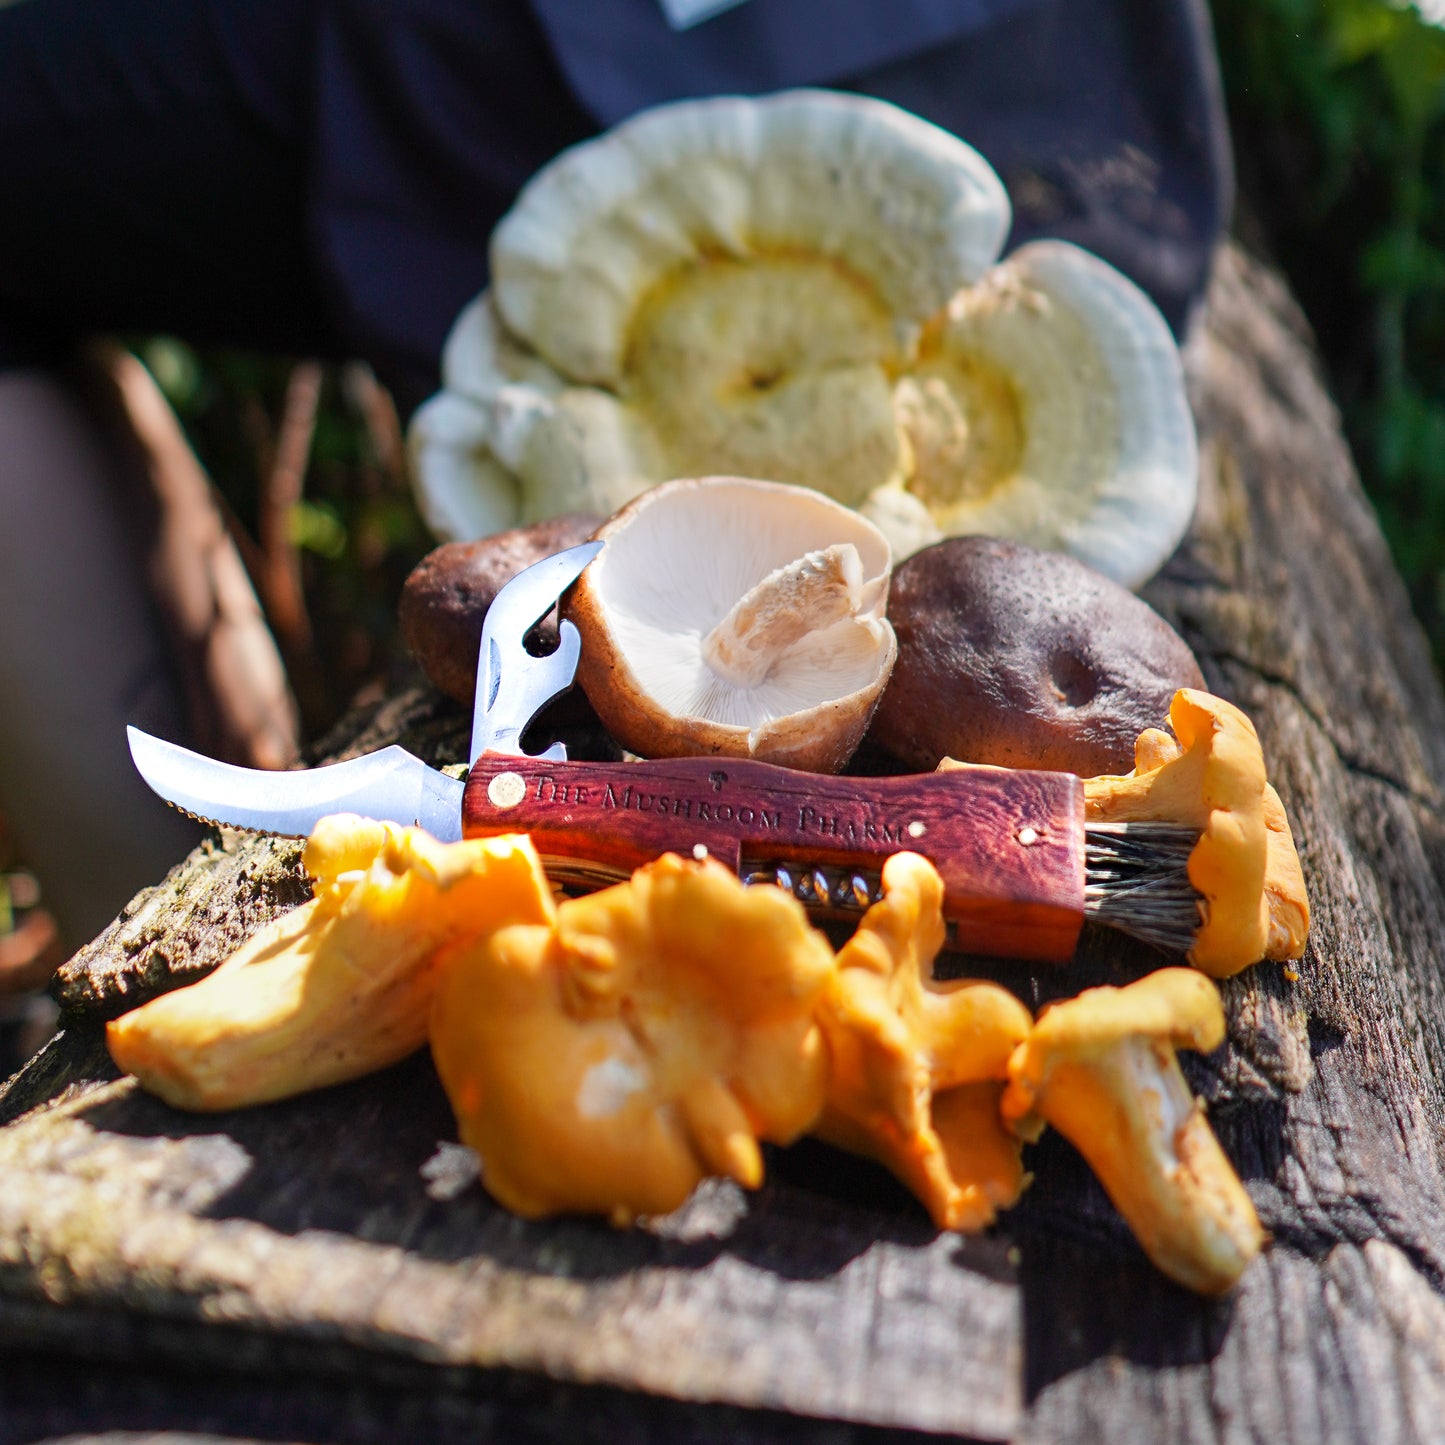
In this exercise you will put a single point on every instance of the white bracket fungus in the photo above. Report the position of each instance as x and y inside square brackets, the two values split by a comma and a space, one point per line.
[1047, 404]
[798, 287]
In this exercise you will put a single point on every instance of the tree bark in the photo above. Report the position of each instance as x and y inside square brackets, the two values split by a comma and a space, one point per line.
[335, 1236]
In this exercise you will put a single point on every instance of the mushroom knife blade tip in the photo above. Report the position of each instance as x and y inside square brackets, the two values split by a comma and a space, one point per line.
[390, 785]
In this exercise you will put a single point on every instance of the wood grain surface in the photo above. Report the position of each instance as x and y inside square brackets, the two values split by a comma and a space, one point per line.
[334, 1248]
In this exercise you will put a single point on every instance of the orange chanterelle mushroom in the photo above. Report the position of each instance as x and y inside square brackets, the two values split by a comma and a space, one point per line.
[341, 985]
[1101, 1068]
[917, 1065]
[646, 1037]
[1245, 868]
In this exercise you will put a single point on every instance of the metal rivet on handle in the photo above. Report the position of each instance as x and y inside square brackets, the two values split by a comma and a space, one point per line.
[506, 790]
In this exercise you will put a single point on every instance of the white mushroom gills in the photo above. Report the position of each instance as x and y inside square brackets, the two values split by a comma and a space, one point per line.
[736, 617]
[815, 591]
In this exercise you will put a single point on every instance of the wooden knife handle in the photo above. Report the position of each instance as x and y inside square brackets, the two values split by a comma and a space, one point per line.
[1009, 845]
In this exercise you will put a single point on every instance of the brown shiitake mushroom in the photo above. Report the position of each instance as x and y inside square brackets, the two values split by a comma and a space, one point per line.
[1023, 659]
[446, 597]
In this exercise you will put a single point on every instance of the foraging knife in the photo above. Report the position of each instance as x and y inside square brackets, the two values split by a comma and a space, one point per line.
[1020, 868]
[391, 784]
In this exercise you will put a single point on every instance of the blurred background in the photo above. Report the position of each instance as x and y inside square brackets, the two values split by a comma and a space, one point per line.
[1338, 115]
[1337, 109]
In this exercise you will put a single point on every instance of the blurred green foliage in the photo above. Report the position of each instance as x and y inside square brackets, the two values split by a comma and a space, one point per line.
[1338, 114]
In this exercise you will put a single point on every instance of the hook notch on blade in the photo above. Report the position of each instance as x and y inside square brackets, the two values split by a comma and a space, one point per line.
[513, 686]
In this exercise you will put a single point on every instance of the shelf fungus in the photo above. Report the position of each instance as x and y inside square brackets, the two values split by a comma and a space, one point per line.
[1046, 404]
[802, 287]
[646, 1038]
[917, 1065]
[1101, 1069]
[723, 285]
[1210, 773]
[340, 986]
[736, 617]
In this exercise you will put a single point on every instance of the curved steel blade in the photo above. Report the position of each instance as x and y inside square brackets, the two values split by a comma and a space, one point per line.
[390, 785]
[512, 685]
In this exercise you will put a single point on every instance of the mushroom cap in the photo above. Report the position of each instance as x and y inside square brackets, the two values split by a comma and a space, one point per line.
[882, 193]
[1047, 404]
[1023, 659]
[1101, 1068]
[1211, 774]
[707, 628]
[918, 1064]
[647, 1037]
[1173, 1006]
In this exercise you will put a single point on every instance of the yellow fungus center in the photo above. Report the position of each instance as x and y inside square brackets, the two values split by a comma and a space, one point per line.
[964, 420]
[773, 366]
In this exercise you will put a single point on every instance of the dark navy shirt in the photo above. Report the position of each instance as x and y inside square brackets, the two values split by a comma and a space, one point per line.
[323, 175]
[621, 55]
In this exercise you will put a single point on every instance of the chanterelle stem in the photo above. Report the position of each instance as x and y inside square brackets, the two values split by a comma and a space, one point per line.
[811, 593]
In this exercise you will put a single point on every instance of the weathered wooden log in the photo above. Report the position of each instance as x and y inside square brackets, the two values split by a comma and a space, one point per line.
[334, 1234]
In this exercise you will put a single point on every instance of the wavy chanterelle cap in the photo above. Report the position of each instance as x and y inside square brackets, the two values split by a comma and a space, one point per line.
[646, 1038]
[739, 618]
[1101, 1068]
[341, 985]
[918, 1064]
[1210, 774]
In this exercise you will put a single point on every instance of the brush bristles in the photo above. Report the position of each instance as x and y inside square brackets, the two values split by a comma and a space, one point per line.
[1136, 880]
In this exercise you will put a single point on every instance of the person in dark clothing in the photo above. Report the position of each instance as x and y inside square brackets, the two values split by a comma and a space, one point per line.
[320, 177]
